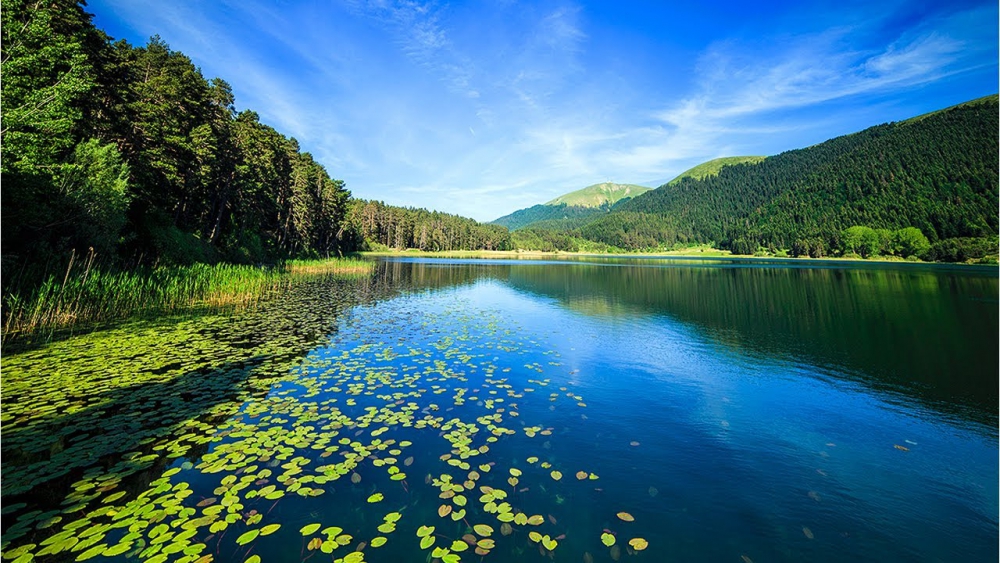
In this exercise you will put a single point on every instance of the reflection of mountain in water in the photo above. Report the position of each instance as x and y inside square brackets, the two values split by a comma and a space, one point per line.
[926, 332]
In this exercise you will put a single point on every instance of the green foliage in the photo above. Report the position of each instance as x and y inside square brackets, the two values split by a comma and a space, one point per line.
[909, 242]
[131, 151]
[964, 249]
[543, 240]
[97, 185]
[376, 226]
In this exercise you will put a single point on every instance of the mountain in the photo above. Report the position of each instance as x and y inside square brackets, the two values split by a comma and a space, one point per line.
[712, 167]
[597, 195]
[936, 173]
[572, 210]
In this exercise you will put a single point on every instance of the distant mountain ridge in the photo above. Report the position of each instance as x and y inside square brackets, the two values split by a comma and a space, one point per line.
[573, 209]
[597, 195]
[936, 172]
[714, 166]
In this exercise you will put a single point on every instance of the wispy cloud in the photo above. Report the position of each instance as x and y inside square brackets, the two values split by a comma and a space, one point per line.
[483, 108]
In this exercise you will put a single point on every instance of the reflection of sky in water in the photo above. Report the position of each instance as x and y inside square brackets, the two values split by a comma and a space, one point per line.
[709, 401]
[771, 433]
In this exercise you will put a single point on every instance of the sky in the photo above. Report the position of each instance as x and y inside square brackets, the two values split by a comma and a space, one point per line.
[481, 108]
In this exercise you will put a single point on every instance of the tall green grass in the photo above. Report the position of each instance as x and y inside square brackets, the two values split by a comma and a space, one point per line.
[85, 294]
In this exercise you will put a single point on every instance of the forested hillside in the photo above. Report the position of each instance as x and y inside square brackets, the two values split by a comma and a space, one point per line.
[559, 216]
[937, 174]
[572, 210]
[132, 152]
[712, 167]
[371, 224]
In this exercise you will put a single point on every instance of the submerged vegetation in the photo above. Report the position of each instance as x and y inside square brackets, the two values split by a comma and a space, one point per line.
[85, 295]
[390, 440]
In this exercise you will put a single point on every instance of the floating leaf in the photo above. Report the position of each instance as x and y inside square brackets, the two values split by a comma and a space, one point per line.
[269, 529]
[444, 510]
[638, 544]
[626, 517]
[253, 559]
[247, 537]
[536, 520]
[485, 544]
[608, 539]
[581, 475]
[427, 541]
[459, 545]
[377, 497]
[309, 529]
[483, 530]
[556, 475]
[378, 541]
[424, 531]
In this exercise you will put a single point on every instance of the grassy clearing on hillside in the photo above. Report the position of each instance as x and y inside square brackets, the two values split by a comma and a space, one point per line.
[85, 294]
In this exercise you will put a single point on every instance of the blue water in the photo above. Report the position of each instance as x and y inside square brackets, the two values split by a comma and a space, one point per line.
[718, 449]
[735, 410]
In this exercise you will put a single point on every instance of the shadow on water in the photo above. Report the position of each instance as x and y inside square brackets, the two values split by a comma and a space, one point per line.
[130, 400]
[119, 431]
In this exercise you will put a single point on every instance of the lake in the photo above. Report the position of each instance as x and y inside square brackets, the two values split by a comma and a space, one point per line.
[586, 409]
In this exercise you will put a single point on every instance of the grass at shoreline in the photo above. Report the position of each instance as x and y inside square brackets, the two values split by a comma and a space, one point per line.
[84, 295]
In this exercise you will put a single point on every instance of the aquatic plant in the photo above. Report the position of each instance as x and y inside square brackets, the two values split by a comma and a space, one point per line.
[84, 294]
[195, 441]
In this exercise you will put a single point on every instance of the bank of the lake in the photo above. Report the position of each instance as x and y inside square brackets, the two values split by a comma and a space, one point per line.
[84, 295]
[706, 252]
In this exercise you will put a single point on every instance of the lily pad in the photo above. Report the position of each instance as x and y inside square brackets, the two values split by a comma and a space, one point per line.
[638, 544]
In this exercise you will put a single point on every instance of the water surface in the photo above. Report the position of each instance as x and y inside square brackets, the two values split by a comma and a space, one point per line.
[734, 410]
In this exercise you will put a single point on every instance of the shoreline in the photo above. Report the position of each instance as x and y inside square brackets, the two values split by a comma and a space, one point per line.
[712, 254]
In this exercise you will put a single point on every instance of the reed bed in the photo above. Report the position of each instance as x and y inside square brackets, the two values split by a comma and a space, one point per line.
[84, 294]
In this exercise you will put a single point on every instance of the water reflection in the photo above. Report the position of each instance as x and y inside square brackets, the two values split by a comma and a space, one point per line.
[928, 332]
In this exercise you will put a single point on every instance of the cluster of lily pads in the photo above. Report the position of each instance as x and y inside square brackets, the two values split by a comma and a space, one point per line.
[233, 446]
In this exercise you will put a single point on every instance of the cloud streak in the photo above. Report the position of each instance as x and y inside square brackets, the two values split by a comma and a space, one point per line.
[480, 109]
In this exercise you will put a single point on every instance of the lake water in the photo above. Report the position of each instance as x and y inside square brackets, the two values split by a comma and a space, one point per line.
[705, 410]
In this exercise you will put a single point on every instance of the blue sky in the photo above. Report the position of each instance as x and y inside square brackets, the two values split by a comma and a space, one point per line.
[481, 108]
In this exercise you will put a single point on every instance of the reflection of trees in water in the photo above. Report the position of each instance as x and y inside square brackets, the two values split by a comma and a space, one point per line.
[921, 332]
[926, 332]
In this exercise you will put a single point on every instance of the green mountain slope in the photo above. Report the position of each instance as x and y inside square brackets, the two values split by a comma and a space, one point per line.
[559, 217]
[607, 193]
[712, 167]
[937, 173]
[572, 210]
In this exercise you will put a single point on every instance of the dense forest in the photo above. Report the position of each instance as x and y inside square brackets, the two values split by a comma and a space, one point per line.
[937, 173]
[132, 152]
[372, 225]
